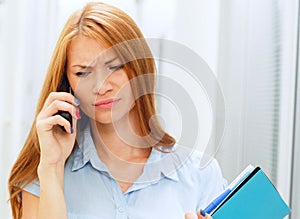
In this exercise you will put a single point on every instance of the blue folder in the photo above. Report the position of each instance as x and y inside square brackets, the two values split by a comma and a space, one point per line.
[255, 198]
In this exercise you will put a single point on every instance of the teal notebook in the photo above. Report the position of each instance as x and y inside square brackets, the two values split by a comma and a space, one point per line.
[255, 198]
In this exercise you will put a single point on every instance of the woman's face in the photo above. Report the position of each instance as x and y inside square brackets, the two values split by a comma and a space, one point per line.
[98, 80]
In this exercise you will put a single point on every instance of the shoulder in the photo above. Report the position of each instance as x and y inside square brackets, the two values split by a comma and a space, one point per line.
[197, 162]
[201, 173]
[205, 165]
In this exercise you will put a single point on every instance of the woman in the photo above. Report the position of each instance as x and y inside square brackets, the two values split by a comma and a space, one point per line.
[109, 157]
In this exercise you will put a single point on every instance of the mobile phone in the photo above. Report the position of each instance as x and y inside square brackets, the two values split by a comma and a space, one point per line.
[65, 87]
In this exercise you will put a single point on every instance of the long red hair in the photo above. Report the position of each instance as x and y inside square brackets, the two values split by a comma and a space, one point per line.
[106, 24]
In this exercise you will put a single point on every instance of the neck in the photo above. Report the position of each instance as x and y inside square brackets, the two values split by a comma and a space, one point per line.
[120, 140]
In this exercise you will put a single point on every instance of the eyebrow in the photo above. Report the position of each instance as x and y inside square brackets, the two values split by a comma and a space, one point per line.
[113, 59]
[82, 66]
[88, 66]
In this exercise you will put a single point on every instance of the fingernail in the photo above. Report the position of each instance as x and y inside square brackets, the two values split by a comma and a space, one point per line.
[71, 130]
[202, 213]
[76, 101]
[78, 115]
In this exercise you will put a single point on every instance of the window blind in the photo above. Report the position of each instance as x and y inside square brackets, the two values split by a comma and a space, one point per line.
[250, 71]
[262, 91]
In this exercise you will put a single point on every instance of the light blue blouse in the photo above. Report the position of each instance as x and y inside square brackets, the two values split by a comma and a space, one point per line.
[170, 185]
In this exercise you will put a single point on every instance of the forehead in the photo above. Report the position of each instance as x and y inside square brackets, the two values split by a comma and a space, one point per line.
[84, 50]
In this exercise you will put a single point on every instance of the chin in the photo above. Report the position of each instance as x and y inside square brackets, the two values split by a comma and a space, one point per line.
[103, 119]
[108, 119]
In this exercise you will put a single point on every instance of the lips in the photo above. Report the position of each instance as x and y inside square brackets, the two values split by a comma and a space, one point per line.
[106, 104]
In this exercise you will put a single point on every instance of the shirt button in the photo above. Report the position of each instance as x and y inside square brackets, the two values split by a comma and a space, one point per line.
[121, 209]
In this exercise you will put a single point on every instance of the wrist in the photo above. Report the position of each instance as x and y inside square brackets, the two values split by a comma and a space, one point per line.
[50, 172]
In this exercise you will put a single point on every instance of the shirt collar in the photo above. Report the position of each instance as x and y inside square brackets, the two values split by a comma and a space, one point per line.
[86, 152]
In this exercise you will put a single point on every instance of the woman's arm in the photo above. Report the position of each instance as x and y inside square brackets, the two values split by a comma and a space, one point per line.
[30, 204]
[51, 203]
[56, 146]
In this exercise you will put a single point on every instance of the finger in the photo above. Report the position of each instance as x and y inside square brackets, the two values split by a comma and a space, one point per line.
[63, 96]
[75, 121]
[47, 124]
[57, 105]
[190, 215]
[202, 215]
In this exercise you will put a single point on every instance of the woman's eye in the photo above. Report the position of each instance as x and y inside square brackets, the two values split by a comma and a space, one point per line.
[116, 67]
[81, 73]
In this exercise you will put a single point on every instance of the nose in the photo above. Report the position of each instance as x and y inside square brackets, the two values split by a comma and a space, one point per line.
[103, 86]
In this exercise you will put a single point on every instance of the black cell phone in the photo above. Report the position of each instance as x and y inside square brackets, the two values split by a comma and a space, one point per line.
[67, 116]
[65, 87]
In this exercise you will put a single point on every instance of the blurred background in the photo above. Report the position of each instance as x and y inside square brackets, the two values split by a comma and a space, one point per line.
[251, 46]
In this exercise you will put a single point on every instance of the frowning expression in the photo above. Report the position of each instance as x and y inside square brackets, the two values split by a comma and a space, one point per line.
[99, 80]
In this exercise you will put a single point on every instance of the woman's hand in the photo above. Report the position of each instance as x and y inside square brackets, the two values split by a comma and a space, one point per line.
[56, 144]
[190, 215]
